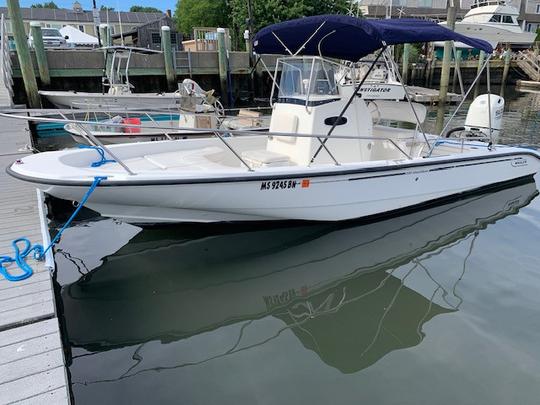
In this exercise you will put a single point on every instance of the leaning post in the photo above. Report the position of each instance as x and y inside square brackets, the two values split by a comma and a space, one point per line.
[23, 54]
[41, 55]
[166, 48]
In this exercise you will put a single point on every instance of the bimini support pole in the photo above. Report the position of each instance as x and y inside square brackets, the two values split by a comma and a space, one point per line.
[488, 77]
[345, 108]
[398, 75]
[460, 103]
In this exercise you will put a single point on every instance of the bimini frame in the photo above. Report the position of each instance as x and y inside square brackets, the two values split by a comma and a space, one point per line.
[388, 59]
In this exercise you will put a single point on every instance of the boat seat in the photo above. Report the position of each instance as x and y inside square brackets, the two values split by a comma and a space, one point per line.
[265, 158]
[197, 158]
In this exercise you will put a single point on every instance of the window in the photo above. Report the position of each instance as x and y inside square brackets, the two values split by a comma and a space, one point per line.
[425, 3]
[495, 18]
[507, 19]
[156, 38]
[538, 9]
[529, 27]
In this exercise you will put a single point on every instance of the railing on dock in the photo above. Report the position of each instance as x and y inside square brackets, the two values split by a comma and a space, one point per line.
[530, 64]
[182, 60]
[5, 62]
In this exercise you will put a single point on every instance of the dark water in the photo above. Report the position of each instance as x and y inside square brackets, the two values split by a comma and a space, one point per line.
[437, 306]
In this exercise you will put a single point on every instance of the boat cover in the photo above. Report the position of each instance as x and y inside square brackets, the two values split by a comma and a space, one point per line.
[351, 38]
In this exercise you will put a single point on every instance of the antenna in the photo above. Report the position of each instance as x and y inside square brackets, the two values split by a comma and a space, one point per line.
[120, 21]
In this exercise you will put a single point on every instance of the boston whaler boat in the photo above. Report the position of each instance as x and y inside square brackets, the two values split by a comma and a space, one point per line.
[323, 159]
[119, 95]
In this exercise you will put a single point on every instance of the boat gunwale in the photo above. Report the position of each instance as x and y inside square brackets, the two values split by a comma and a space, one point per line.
[249, 177]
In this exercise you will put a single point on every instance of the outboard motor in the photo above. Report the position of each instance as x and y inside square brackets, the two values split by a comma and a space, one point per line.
[477, 121]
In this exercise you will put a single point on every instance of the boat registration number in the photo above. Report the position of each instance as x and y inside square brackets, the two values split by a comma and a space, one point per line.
[284, 184]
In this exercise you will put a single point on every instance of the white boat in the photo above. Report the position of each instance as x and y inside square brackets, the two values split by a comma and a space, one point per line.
[494, 21]
[119, 95]
[323, 159]
[381, 83]
[150, 127]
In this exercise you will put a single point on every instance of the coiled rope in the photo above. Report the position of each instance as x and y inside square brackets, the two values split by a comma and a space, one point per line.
[37, 249]
[101, 153]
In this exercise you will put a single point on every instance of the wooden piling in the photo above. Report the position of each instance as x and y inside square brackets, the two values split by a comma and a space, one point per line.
[166, 48]
[104, 34]
[223, 63]
[506, 68]
[457, 63]
[23, 54]
[447, 57]
[41, 55]
[481, 58]
[405, 62]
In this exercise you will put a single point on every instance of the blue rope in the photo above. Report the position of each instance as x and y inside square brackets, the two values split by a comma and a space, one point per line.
[101, 152]
[38, 251]
[20, 259]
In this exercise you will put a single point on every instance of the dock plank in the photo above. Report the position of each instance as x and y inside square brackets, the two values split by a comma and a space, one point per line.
[29, 387]
[54, 397]
[32, 364]
[17, 335]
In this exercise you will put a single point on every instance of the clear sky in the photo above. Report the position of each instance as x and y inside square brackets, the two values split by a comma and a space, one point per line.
[117, 4]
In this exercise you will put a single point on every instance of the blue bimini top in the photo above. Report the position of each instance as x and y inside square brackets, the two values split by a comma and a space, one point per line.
[351, 38]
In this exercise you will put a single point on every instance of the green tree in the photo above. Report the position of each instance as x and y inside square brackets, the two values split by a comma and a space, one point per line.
[105, 8]
[200, 13]
[266, 12]
[141, 9]
[50, 4]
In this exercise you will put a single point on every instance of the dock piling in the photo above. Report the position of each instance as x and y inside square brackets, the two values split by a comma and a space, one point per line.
[457, 63]
[223, 63]
[23, 54]
[166, 47]
[506, 68]
[447, 57]
[405, 62]
[41, 55]
[481, 58]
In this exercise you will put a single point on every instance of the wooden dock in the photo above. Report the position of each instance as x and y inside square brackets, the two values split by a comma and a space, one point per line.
[430, 96]
[32, 365]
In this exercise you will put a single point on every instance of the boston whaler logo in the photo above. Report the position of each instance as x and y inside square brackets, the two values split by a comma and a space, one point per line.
[518, 162]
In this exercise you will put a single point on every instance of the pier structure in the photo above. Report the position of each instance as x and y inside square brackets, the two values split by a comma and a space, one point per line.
[32, 361]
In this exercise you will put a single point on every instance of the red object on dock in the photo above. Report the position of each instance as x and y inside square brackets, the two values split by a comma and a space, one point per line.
[131, 121]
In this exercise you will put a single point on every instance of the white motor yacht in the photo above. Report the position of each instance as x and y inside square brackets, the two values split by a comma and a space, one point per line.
[324, 158]
[494, 21]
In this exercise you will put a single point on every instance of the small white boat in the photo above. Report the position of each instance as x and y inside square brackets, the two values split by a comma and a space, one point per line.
[119, 95]
[494, 21]
[323, 159]
[148, 127]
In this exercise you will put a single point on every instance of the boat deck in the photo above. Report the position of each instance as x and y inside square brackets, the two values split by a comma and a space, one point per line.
[32, 365]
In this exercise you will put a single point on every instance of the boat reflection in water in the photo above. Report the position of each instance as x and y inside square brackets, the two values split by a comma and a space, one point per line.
[351, 293]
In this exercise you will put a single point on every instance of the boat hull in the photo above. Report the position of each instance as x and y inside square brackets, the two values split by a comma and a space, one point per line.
[494, 35]
[70, 99]
[336, 195]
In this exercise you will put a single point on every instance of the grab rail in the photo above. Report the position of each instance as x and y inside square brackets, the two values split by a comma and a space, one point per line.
[218, 132]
